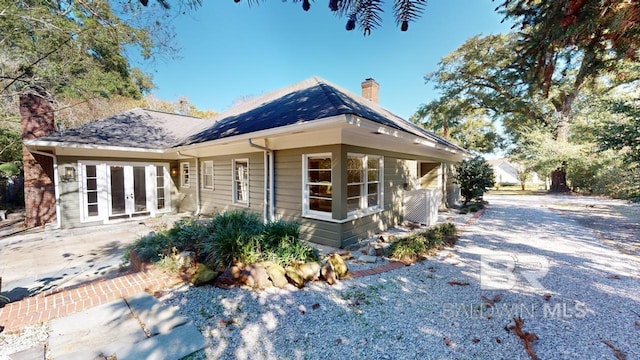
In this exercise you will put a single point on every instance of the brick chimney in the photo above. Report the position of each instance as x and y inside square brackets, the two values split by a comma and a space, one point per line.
[370, 89]
[39, 194]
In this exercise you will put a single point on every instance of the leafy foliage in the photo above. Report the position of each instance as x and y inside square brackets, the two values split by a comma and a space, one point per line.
[473, 129]
[423, 243]
[234, 236]
[622, 132]
[554, 34]
[367, 14]
[10, 146]
[475, 177]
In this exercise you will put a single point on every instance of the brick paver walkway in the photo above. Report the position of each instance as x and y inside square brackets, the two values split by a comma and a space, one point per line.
[61, 302]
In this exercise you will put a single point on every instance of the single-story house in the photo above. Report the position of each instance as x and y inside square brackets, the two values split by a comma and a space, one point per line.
[506, 173]
[336, 162]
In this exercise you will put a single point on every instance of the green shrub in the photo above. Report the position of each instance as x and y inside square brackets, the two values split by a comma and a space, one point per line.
[475, 177]
[435, 239]
[449, 233]
[234, 236]
[471, 208]
[151, 248]
[188, 234]
[424, 242]
[408, 247]
[229, 237]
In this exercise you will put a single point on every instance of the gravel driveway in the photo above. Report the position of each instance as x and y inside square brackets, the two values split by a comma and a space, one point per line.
[578, 294]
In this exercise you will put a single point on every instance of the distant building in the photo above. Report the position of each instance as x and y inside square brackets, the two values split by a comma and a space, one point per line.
[506, 173]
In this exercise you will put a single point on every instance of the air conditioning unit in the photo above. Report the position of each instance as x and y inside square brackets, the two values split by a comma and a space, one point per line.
[421, 206]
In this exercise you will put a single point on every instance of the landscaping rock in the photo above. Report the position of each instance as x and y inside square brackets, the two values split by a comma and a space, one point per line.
[310, 271]
[371, 250]
[202, 275]
[276, 274]
[328, 273]
[386, 238]
[233, 276]
[367, 258]
[185, 259]
[257, 277]
[294, 276]
[339, 267]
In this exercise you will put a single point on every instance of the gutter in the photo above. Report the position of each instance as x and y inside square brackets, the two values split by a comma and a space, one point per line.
[56, 189]
[269, 198]
[197, 180]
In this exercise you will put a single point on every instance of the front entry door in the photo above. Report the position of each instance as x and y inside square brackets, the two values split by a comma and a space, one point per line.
[128, 191]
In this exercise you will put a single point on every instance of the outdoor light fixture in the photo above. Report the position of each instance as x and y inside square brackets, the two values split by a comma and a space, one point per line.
[174, 171]
[69, 174]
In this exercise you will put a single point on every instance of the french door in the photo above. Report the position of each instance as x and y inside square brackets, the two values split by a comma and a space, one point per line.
[118, 190]
[128, 191]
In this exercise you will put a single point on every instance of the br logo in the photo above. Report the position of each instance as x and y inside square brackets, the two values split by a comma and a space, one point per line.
[504, 271]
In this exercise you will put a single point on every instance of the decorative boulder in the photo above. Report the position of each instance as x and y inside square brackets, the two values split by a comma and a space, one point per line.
[294, 276]
[276, 274]
[202, 275]
[233, 276]
[257, 277]
[339, 267]
[185, 259]
[310, 271]
[328, 274]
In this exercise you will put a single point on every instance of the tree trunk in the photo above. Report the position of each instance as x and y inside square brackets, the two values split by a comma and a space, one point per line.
[559, 175]
[559, 181]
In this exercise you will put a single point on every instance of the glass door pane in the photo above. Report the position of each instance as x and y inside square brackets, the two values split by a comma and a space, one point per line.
[139, 189]
[118, 203]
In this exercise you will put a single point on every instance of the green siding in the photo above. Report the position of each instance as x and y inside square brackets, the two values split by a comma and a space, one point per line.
[288, 195]
[220, 199]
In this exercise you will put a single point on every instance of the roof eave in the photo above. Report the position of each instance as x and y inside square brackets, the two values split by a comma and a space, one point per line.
[69, 145]
[377, 128]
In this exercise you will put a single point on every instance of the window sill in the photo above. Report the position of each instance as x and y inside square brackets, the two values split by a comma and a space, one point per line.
[363, 213]
[350, 217]
[240, 204]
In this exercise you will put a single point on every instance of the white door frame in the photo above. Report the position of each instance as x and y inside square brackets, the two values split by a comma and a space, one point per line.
[103, 168]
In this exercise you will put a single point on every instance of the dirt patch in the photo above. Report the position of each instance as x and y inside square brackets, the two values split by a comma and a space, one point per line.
[616, 223]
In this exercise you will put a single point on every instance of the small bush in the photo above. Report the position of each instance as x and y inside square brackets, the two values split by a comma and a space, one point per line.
[408, 247]
[151, 248]
[471, 208]
[475, 177]
[449, 233]
[234, 237]
[229, 237]
[423, 243]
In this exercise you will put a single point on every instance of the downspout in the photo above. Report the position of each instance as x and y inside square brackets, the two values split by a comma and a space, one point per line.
[268, 186]
[56, 190]
[197, 180]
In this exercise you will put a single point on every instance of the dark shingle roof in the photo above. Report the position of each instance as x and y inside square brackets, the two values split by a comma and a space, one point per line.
[302, 102]
[137, 128]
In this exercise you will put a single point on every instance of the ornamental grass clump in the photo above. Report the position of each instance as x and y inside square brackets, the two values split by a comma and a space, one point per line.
[232, 237]
[423, 243]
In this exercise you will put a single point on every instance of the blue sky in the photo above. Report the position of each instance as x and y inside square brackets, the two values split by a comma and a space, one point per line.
[231, 50]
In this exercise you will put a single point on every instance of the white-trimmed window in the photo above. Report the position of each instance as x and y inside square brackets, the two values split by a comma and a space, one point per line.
[91, 191]
[185, 176]
[317, 185]
[161, 188]
[207, 175]
[241, 181]
[364, 183]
